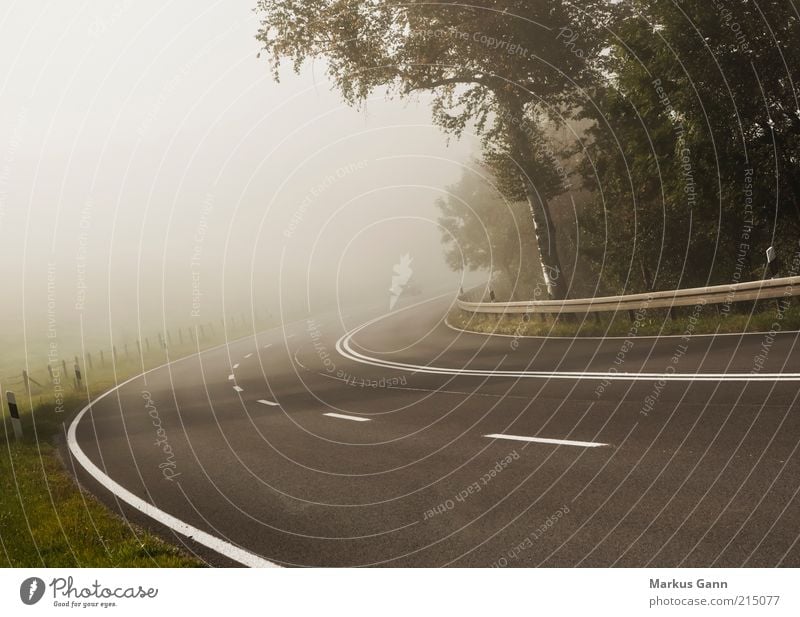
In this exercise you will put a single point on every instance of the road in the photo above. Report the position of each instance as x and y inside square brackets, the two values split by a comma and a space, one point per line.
[306, 447]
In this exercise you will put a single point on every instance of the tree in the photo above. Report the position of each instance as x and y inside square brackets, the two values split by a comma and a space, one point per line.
[482, 230]
[494, 66]
[696, 144]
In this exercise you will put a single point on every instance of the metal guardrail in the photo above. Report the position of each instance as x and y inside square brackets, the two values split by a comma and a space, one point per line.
[718, 294]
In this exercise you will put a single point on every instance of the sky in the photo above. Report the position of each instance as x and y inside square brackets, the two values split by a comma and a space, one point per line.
[152, 172]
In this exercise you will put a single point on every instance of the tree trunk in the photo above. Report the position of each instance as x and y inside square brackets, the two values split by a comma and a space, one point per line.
[522, 150]
[546, 243]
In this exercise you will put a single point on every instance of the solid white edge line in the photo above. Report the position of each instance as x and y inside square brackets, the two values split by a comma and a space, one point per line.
[560, 442]
[345, 417]
[344, 349]
[266, 402]
[216, 544]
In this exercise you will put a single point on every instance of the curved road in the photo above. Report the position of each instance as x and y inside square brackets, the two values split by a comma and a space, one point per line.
[407, 443]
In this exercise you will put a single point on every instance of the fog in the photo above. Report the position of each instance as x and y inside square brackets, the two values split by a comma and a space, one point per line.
[152, 174]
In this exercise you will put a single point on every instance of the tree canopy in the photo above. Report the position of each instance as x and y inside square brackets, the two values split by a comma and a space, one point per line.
[496, 67]
[691, 151]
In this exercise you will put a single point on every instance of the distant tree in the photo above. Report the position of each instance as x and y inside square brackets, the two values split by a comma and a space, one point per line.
[482, 230]
[494, 66]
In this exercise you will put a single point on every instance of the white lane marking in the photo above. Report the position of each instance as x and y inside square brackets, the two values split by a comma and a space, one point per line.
[216, 544]
[238, 389]
[267, 345]
[346, 417]
[560, 442]
[265, 402]
[230, 377]
[611, 338]
[235, 366]
[247, 356]
[345, 350]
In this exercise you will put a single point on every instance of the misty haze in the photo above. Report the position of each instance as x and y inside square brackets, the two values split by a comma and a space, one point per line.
[346, 283]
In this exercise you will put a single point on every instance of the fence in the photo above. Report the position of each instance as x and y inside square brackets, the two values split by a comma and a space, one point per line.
[66, 373]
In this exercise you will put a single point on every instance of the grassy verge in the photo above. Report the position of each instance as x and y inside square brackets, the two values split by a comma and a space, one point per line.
[45, 520]
[689, 320]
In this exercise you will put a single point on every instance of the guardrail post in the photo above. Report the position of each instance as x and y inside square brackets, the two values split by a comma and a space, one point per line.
[77, 374]
[102, 358]
[13, 410]
[114, 353]
[147, 344]
[50, 371]
[64, 368]
[26, 381]
[89, 360]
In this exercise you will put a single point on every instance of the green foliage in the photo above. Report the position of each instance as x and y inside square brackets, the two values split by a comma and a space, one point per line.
[693, 159]
[484, 231]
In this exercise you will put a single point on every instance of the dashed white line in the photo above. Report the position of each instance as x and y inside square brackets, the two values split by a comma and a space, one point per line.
[247, 356]
[267, 345]
[231, 377]
[238, 389]
[235, 366]
[560, 442]
[265, 402]
[345, 417]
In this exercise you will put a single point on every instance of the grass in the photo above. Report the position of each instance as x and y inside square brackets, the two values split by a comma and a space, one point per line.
[45, 519]
[703, 320]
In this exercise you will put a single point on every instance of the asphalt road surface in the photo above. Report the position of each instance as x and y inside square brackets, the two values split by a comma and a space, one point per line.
[390, 446]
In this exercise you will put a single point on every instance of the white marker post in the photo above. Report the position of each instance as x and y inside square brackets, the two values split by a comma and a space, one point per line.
[14, 411]
[772, 264]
